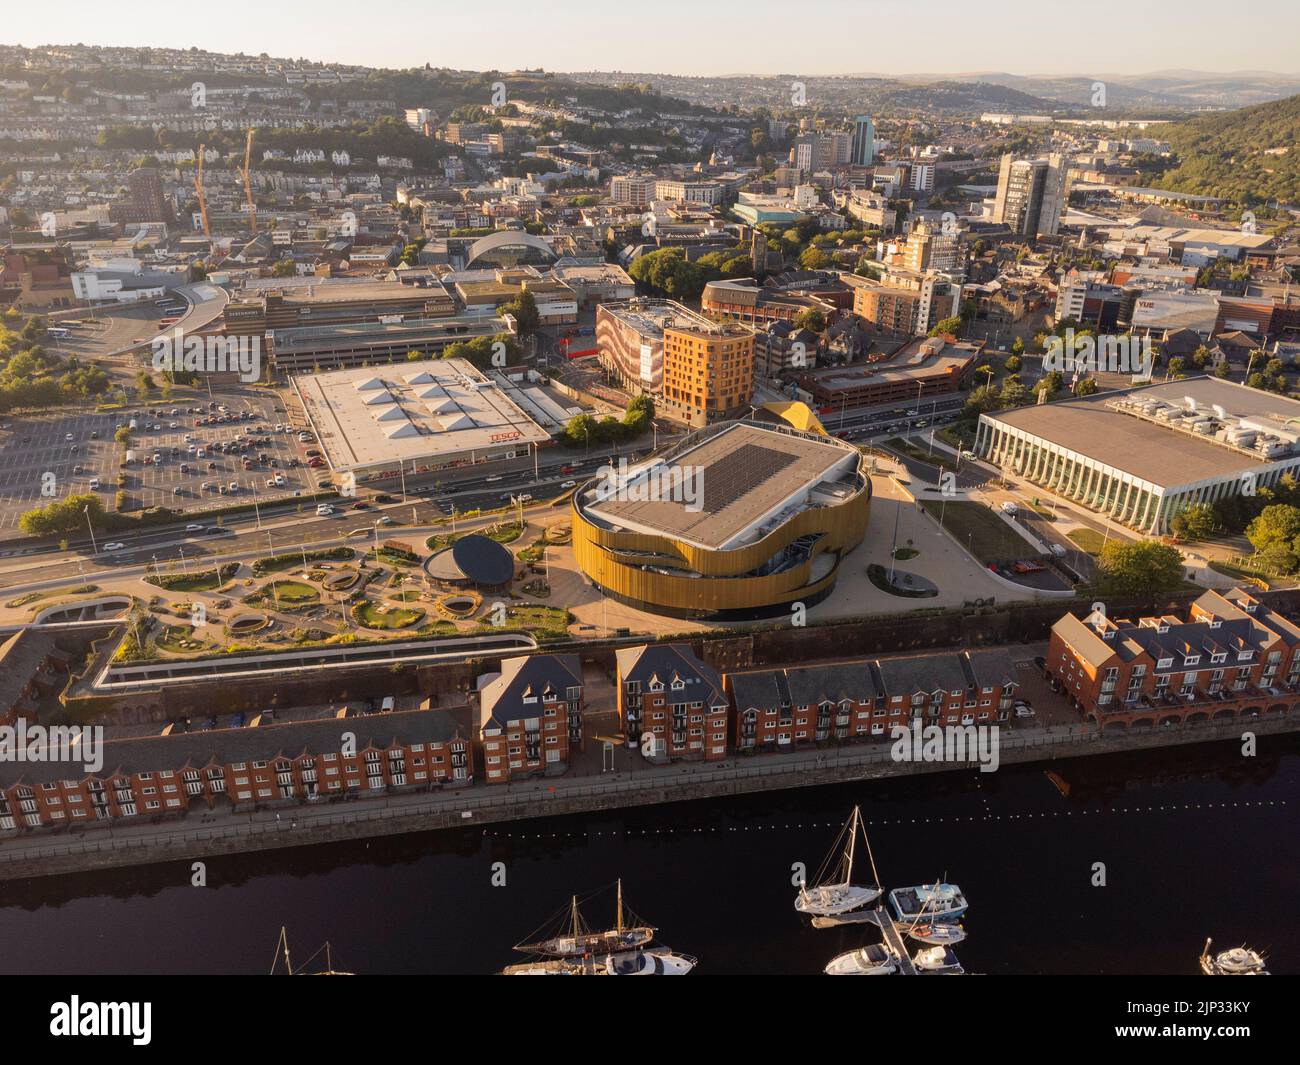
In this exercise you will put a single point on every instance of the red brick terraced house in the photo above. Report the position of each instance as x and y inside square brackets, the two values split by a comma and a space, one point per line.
[530, 716]
[240, 768]
[666, 690]
[781, 709]
[1231, 657]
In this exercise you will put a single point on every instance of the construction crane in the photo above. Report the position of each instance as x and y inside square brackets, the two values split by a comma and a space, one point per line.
[248, 188]
[198, 191]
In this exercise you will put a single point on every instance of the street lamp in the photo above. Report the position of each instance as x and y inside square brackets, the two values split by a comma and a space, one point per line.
[94, 549]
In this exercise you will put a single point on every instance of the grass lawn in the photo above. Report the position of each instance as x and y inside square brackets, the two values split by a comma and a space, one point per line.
[286, 593]
[203, 581]
[904, 447]
[501, 533]
[1089, 540]
[542, 621]
[982, 532]
[378, 616]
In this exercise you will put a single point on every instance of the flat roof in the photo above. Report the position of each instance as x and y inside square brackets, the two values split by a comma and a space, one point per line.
[412, 411]
[1148, 450]
[738, 483]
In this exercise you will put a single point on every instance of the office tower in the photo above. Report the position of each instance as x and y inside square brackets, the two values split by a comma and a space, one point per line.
[864, 141]
[1031, 195]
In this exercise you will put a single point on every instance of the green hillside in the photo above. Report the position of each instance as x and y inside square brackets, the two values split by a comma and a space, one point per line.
[1226, 154]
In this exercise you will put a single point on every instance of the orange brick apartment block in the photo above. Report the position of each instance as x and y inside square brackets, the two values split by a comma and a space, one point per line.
[1232, 656]
[530, 716]
[665, 690]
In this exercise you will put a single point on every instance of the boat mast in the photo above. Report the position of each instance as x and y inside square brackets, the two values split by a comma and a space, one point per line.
[853, 839]
[574, 905]
[618, 927]
[283, 943]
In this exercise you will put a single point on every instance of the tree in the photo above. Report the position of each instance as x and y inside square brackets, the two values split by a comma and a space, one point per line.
[812, 319]
[284, 268]
[1276, 531]
[950, 327]
[1087, 386]
[67, 515]
[1195, 522]
[1141, 568]
[1018, 346]
[524, 309]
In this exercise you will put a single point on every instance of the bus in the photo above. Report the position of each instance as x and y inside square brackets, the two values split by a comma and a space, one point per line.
[60, 334]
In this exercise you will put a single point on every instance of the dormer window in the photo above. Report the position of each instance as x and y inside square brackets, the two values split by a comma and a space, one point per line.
[1164, 663]
[1215, 623]
[1220, 657]
[678, 684]
[1245, 656]
[1191, 660]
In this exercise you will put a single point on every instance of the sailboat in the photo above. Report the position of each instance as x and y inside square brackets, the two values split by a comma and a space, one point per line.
[623, 950]
[1239, 961]
[282, 952]
[841, 895]
[579, 940]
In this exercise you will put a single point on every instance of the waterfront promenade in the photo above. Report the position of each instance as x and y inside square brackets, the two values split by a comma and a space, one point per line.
[198, 836]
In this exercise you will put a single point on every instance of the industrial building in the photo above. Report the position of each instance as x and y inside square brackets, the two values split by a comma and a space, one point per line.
[341, 347]
[416, 417]
[1143, 454]
[736, 520]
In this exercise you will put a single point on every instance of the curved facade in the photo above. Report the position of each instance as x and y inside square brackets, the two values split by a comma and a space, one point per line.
[795, 559]
[509, 247]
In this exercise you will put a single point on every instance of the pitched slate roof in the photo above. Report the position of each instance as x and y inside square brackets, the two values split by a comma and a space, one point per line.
[535, 676]
[195, 750]
[667, 662]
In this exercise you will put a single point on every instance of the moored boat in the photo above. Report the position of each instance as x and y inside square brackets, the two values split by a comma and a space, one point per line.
[934, 902]
[1239, 961]
[837, 893]
[875, 959]
[937, 960]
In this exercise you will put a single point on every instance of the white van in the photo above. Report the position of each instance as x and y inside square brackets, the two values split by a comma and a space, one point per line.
[324, 510]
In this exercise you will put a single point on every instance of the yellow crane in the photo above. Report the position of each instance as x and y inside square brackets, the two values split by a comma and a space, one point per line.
[198, 190]
[248, 188]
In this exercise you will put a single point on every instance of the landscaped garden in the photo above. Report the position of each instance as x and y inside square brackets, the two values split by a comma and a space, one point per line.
[206, 580]
[384, 616]
[283, 594]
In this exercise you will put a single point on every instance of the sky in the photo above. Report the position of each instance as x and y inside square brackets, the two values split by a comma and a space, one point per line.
[813, 37]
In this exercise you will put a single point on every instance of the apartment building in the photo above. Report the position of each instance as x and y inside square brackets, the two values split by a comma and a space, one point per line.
[239, 769]
[676, 191]
[530, 716]
[636, 190]
[708, 373]
[1031, 195]
[1231, 656]
[665, 691]
[782, 709]
[906, 302]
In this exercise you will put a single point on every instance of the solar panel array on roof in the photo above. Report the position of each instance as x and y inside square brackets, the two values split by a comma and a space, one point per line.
[739, 472]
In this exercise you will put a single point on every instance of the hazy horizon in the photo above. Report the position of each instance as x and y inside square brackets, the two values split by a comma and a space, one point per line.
[765, 38]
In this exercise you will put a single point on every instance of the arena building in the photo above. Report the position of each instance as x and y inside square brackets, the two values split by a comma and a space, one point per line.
[413, 417]
[734, 521]
[1141, 455]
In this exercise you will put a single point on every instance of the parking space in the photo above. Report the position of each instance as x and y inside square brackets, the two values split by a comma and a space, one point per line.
[73, 448]
[247, 445]
[215, 453]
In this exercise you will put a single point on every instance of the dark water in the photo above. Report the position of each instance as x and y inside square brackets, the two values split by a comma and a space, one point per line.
[1196, 842]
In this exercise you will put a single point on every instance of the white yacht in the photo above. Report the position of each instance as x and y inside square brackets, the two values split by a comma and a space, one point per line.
[873, 960]
[838, 894]
[934, 960]
[935, 933]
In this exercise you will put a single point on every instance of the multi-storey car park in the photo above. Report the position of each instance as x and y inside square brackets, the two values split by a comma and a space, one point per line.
[760, 520]
[1143, 454]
